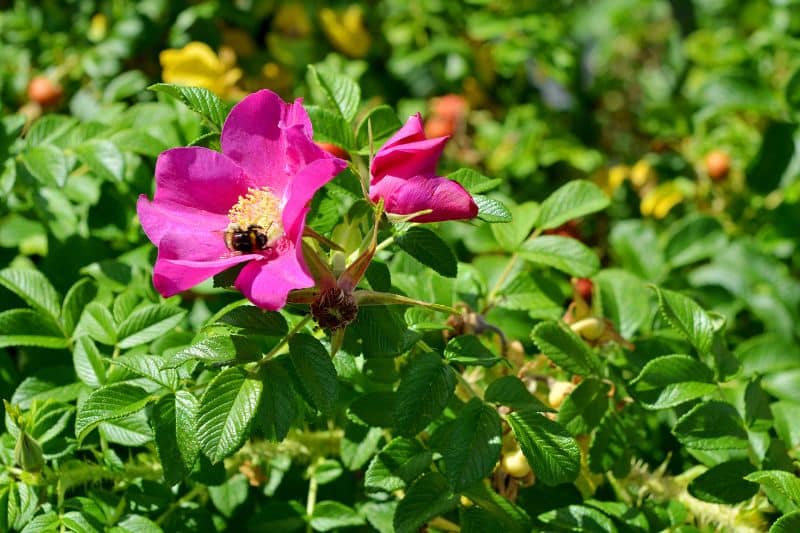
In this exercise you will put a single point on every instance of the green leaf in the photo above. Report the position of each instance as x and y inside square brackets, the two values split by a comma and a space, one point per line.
[186, 410]
[549, 448]
[504, 514]
[330, 515]
[671, 380]
[226, 409]
[624, 300]
[26, 327]
[789, 523]
[199, 100]
[278, 406]
[687, 317]
[343, 93]
[725, 483]
[694, 239]
[575, 199]
[792, 92]
[47, 164]
[135, 524]
[579, 518]
[558, 342]
[609, 449]
[212, 351]
[510, 391]
[469, 350]
[50, 128]
[43, 523]
[635, 247]
[33, 287]
[563, 253]
[315, 369]
[383, 122]
[163, 422]
[765, 171]
[330, 127]
[423, 393]
[429, 249]
[491, 210]
[784, 483]
[396, 465]
[77, 298]
[510, 236]
[138, 142]
[109, 403]
[712, 425]
[473, 181]
[229, 495]
[103, 158]
[249, 319]
[471, 444]
[585, 406]
[428, 497]
[359, 444]
[88, 362]
[97, 322]
[149, 366]
[133, 430]
[148, 323]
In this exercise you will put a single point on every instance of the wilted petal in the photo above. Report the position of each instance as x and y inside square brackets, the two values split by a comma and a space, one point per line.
[447, 199]
[267, 283]
[199, 178]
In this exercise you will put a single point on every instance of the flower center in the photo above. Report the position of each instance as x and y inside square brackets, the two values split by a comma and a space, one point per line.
[334, 309]
[258, 211]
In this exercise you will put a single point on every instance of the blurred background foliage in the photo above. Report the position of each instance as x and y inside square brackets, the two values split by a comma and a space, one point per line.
[685, 113]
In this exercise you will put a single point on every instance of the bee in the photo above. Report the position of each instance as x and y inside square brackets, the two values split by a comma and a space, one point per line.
[252, 239]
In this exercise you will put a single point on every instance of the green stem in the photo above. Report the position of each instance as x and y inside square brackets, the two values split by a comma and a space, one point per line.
[311, 499]
[197, 490]
[292, 332]
[512, 262]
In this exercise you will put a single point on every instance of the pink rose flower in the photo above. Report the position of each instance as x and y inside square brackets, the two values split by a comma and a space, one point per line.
[214, 210]
[404, 175]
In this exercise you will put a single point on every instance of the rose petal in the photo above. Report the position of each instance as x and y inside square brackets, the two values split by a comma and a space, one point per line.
[186, 258]
[270, 139]
[267, 283]
[411, 131]
[302, 188]
[199, 178]
[408, 153]
[408, 160]
[447, 199]
[295, 114]
[158, 218]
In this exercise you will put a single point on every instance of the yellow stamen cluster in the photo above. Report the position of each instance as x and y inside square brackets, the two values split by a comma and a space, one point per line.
[259, 207]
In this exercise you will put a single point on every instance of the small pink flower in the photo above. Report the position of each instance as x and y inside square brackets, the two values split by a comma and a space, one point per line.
[214, 210]
[404, 175]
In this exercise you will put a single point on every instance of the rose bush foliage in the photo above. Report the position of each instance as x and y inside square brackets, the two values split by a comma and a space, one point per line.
[529, 268]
